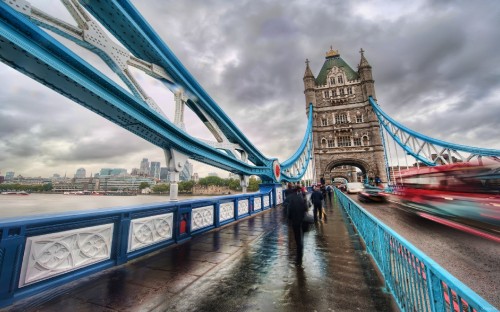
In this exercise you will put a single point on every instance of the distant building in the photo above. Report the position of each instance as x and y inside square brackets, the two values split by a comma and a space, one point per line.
[144, 167]
[187, 172]
[9, 175]
[80, 173]
[212, 174]
[164, 174]
[196, 177]
[135, 171]
[234, 176]
[113, 172]
[123, 183]
[154, 170]
[2, 179]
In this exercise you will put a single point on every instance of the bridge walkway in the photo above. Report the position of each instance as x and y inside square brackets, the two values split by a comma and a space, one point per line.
[247, 266]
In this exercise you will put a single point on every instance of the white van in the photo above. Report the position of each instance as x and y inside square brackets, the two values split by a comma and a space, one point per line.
[354, 187]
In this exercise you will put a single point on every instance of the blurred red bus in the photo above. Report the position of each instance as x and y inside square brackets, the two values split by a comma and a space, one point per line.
[466, 193]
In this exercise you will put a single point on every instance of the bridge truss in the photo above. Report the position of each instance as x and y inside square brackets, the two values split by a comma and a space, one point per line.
[26, 46]
[426, 150]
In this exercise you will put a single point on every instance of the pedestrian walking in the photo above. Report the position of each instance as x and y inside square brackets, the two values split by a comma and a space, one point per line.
[296, 211]
[317, 201]
[329, 191]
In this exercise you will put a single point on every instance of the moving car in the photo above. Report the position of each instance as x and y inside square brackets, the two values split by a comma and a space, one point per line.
[354, 187]
[372, 194]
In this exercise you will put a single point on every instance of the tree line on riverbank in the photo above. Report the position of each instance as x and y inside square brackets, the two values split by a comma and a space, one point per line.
[184, 186]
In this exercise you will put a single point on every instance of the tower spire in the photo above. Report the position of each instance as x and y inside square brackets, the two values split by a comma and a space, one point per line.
[308, 73]
[363, 62]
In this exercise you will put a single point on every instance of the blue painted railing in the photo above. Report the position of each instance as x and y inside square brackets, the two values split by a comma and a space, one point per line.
[42, 252]
[416, 281]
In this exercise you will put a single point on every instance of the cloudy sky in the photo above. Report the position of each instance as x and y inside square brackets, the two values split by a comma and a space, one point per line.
[435, 65]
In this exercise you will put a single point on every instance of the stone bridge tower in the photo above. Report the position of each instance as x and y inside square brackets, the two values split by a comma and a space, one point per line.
[345, 128]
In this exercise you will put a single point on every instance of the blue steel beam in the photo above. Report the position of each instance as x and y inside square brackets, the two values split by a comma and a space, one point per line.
[132, 30]
[28, 49]
[300, 160]
[409, 140]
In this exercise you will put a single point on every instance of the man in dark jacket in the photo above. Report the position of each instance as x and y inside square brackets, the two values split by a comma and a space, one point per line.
[317, 200]
[296, 210]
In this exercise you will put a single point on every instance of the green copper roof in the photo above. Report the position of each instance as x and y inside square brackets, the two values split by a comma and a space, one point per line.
[337, 61]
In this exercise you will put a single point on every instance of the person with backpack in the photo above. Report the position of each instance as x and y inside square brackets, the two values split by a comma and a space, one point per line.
[317, 200]
[296, 210]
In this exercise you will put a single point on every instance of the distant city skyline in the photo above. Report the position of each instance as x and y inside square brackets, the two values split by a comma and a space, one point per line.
[83, 172]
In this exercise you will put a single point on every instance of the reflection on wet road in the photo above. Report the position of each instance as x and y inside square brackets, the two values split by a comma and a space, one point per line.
[248, 266]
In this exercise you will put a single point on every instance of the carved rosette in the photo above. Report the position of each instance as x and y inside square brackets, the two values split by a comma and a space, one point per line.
[226, 211]
[53, 254]
[266, 201]
[202, 217]
[242, 207]
[279, 195]
[149, 230]
[257, 202]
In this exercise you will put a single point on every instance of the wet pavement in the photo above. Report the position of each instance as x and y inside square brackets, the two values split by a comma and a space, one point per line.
[247, 266]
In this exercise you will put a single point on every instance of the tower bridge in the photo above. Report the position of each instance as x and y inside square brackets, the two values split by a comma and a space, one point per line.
[346, 128]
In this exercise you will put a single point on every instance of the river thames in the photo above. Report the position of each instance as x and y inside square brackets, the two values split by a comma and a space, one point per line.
[12, 206]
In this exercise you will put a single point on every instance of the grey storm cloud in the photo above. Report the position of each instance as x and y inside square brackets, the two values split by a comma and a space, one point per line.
[434, 65]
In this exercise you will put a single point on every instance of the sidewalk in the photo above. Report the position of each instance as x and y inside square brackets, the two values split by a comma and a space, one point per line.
[247, 266]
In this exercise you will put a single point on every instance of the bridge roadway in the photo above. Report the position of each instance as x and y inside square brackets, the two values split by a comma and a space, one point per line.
[246, 266]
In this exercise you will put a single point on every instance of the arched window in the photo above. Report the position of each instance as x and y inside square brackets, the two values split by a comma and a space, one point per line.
[323, 142]
[366, 142]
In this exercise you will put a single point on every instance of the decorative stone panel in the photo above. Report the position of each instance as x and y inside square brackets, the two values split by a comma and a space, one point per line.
[266, 201]
[149, 230]
[202, 217]
[49, 255]
[257, 203]
[279, 195]
[226, 211]
[242, 207]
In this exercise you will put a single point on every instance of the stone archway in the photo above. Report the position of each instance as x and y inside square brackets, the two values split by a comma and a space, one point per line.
[349, 173]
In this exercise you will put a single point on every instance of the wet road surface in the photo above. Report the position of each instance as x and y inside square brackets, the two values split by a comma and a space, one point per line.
[247, 266]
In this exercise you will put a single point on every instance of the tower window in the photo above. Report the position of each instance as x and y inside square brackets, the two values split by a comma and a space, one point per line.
[341, 91]
[331, 143]
[344, 141]
[334, 93]
[357, 141]
[341, 118]
[324, 122]
[325, 94]
[359, 118]
[349, 90]
[332, 80]
[340, 79]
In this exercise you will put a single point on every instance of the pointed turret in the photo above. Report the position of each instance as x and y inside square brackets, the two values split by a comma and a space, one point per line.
[309, 86]
[363, 63]
[308, 73]
[365, 74]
